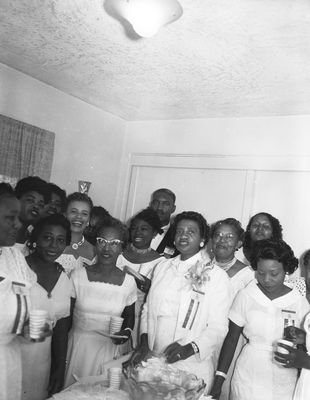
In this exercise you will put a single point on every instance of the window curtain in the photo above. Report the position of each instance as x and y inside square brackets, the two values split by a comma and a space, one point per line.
[24, 150]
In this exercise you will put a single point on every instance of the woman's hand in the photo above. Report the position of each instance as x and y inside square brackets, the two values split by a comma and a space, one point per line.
[57, 379]
[217, 387]
[46, 332]
[140, 354]
[145, 285]
[294, 359]
[121, 340]
[298, 336]
[175, 352]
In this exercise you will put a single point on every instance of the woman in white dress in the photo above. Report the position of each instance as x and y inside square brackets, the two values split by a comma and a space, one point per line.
[79, 251]
[261, 226]
[185, 314]
[16, 279]
[100, 290]
[141, 258]
[51, 292]
[262, 310]
[298, 357]
[227, 236]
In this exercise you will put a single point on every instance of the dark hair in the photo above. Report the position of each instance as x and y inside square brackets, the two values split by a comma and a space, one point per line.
[6, 190]
[98, 211]
[150, 216]
[306, 258]
[231, 222]
[53, 220]
[204, 227]
[33, 184]
[276, 230]
[77, 196]
[167, 191]
[271, 249]
[116, 224]
[59, 192]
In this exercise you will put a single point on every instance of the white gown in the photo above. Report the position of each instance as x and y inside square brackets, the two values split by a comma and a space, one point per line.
[36, 357]
[13, 268]
[257, 375]
[302, 391]
[121, 262]
[95, 302]
[239, 281]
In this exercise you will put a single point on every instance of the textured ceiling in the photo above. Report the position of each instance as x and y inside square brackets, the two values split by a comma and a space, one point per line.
[222, 58]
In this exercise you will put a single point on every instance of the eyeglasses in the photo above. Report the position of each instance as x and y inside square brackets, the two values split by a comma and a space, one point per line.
[104, 242]
[221, 235]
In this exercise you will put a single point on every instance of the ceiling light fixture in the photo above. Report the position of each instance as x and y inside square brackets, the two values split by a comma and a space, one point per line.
[148, 16]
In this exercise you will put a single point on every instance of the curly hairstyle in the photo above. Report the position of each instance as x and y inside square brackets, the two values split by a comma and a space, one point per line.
[116, 224]
[33, 184]
[77, 196]
[51, 220]
[204, 227]
[59, 192]
[271, 249]
[98, 211]
[6, 190]
[150, 216]
[306, 259]
[231, 222]
[276, 229]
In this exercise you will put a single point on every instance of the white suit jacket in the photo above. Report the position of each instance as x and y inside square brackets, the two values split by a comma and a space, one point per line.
[210, 325]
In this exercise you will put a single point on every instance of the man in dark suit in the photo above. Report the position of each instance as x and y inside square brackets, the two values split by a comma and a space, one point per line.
[163, 202]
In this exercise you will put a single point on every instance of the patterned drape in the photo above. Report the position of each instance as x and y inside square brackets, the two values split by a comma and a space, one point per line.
[24, 150]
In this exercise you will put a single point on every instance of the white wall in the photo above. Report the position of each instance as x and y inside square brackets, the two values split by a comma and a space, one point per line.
[89, 142]
[275, 140]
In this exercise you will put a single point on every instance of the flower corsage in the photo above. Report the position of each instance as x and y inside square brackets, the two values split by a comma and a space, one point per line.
[198, 274]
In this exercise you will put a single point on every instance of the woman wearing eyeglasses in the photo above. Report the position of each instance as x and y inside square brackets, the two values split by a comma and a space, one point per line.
[100, 291]
[227, 236]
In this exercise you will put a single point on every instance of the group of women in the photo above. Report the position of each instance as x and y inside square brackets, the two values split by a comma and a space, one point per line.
[211, 316]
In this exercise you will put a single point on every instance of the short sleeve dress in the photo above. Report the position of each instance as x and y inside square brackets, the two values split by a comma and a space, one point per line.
[95, 303]
[257, 375]
[302, 391]
[36, 357]
[14, 306]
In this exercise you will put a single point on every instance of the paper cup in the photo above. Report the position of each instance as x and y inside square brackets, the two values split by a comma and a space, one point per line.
[37, 322]
[145, 270]
[282, 350]
[115, 376]
[115, 324]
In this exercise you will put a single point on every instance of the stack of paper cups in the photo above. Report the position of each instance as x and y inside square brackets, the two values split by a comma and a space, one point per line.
[282, 350]
[145, 270]
[115, 376]
[115, 324]
[37, 322]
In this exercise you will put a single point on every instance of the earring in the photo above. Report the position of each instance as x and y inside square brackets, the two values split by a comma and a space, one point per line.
[34, 245]
[202, 244]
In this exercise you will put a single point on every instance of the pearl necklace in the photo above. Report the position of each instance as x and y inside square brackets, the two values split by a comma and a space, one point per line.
[140, 251]
[75, 246]
[224, 266]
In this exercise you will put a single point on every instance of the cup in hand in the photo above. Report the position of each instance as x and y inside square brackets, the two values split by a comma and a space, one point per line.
[115, 324]
[37, 322]
[282, 350]
[115, 376]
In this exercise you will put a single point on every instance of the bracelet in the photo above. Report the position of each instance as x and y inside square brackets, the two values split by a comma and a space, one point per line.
[128, 329]
[61, 358]
[195, 347]
[220, 373]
